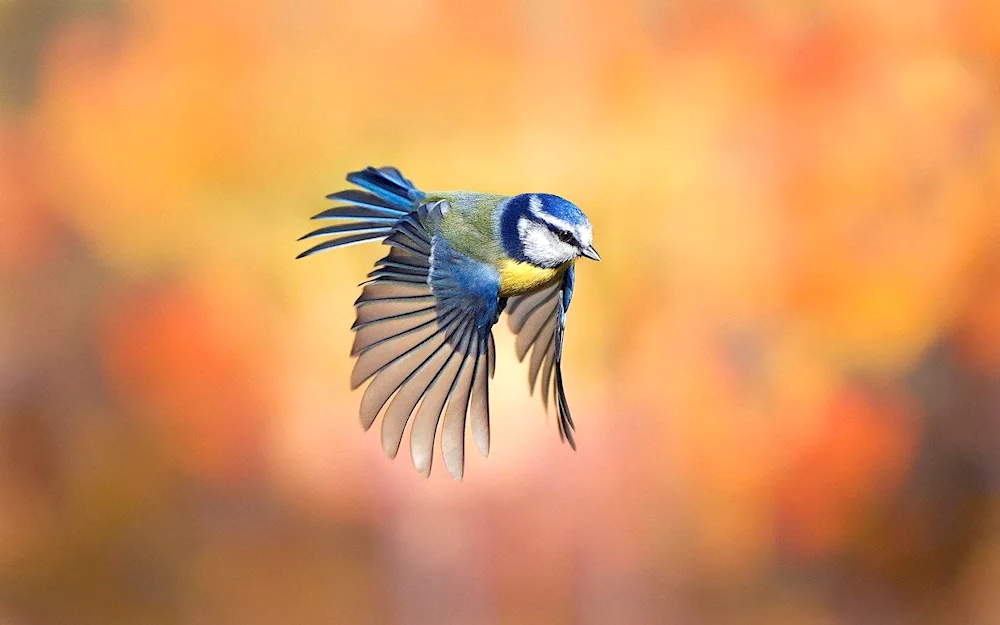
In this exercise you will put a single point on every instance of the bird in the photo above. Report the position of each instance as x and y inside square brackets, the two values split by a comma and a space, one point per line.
[423, 331]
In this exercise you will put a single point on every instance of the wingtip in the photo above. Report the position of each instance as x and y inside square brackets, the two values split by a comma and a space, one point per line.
[316, 248]
[366, 421]
[570, 439]
[566, 436]
[389, 445]
[455, 472]
[483, 443]
[355, 381]
[453, 448]
[352, 175]
[570, 429]
[421, 457]
[423, 468]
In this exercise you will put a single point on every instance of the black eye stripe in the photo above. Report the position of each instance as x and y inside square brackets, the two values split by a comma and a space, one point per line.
[565, 236]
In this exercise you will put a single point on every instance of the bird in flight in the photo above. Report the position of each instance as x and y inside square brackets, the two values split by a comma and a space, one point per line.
[456, 261]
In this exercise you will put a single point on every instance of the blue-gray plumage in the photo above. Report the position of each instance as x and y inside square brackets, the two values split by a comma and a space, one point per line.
[456, 261]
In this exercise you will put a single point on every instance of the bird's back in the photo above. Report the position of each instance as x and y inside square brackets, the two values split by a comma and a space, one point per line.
[468, 223]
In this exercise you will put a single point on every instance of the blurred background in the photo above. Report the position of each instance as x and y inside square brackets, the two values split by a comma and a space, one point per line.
[785, 373]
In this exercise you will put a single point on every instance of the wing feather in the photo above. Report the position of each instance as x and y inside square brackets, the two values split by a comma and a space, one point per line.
[392, 376]
[453, 428]
[428, 415]
[531, 332]
[342, 242]
[378, 331]
[374, 358]
[525, 307]
[402, 255]
[539, 349]
[549, 362]
[479, 403]
[491, 355]
[357, 228]
[400, 274]
[539, 321]
[423, 336]
[405, 401]
[368, 200]
[386, 310]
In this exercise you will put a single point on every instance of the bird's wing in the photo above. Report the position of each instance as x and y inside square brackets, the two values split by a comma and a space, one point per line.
[423, 335]
[539, 320]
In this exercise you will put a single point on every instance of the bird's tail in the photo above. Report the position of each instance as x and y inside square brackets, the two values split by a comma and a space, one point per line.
[370, 214]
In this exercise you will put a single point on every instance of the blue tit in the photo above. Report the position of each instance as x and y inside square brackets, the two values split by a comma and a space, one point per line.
[456, 261]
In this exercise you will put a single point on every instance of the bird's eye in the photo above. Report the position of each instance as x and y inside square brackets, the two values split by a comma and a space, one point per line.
[565, 236]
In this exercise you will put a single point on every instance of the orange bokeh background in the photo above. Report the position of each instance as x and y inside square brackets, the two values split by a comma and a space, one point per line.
[785, 373]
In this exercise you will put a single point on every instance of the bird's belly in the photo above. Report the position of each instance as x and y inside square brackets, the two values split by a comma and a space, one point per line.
[520, 278]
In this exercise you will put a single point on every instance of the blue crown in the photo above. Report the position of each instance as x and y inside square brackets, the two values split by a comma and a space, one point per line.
[560, 208]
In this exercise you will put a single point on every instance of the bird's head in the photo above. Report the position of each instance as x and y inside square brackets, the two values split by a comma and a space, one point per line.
[545, 230]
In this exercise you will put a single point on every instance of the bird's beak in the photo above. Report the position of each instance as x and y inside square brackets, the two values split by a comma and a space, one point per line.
[590, 253]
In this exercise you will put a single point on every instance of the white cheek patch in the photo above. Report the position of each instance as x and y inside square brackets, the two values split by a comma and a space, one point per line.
[541, 247]
[523, 226]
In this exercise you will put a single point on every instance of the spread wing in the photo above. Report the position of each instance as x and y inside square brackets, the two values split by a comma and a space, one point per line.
[539, 320]
[423, 336]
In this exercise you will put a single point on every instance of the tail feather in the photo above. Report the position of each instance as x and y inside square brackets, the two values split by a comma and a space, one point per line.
[387, 198]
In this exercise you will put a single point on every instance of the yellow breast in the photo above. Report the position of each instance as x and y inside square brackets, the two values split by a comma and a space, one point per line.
[520, 278]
